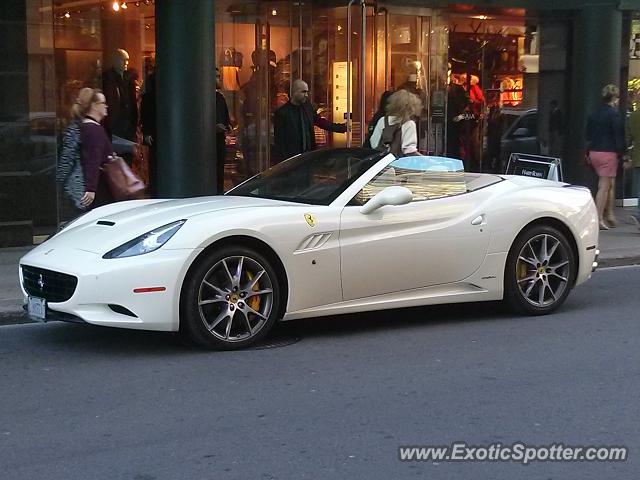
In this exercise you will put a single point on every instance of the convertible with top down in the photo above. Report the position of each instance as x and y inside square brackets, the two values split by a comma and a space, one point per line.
[323, 233]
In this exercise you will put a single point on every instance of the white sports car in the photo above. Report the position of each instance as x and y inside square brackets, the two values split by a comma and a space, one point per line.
[323, 233]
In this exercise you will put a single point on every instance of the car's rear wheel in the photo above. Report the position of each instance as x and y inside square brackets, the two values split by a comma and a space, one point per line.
[540, 270]
[230, 299]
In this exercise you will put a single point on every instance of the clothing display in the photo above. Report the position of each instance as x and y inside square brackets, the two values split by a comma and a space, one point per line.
[230, 58]
[230, 78]
[120, 93]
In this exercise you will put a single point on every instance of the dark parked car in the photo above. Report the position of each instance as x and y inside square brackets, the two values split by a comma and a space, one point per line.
[520, 135]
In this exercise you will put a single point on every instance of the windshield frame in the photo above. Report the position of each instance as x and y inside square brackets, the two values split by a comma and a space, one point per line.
[371, 158]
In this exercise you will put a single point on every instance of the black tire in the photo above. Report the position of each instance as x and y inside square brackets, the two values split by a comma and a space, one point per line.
[220, 311]
[535, 284]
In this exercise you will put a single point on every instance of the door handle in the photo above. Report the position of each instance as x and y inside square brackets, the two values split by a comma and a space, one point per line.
[479, 220]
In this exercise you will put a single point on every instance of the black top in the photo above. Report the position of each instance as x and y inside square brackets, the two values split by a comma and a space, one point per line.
[293, 129]
[605, 131]
[222, 112]
[120, 93]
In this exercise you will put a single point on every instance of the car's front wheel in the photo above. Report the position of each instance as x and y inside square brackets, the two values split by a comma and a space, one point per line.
[540, 270]
[230, 299]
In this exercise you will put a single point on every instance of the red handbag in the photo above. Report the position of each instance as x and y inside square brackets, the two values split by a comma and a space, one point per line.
[122, 182]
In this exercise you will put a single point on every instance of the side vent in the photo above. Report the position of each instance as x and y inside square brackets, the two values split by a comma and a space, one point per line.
[122, 310]
[107, 223]
[314, 241]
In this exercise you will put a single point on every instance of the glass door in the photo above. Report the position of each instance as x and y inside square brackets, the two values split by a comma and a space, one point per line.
[257, 48]
[410, 53]
[342, 85]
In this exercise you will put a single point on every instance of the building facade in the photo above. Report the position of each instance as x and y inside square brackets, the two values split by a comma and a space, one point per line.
[519, 76]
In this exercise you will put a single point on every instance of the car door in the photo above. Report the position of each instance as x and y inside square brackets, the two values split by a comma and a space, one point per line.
[440, 237]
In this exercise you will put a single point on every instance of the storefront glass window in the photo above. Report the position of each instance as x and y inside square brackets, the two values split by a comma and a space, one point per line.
[27, 123]
[109, 46]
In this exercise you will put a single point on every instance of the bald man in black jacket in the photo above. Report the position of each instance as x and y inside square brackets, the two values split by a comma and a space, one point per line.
[293, 124]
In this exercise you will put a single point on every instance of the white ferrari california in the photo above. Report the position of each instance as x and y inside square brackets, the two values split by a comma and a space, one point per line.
[323, 233]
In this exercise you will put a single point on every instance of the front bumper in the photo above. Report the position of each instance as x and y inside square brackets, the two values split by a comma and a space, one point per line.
[105, 295]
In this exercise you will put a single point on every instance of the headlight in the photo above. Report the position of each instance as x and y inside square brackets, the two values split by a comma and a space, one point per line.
[147, 242]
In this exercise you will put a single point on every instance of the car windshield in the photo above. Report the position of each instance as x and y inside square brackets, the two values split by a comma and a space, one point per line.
[315, 178]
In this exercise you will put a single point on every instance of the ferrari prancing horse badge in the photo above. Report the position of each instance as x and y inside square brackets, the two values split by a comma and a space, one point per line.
[311, 220]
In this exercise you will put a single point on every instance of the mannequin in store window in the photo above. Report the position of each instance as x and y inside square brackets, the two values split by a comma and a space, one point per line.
[120, 91]
[472, 126]
[293, 124]
[250, 119]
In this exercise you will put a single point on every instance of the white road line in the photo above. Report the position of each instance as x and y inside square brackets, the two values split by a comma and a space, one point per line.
[619, 267]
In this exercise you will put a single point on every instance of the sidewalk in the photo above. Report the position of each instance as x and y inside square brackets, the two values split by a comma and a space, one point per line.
[618, 246]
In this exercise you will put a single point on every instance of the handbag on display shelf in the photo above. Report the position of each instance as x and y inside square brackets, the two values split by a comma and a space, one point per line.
[122, 182]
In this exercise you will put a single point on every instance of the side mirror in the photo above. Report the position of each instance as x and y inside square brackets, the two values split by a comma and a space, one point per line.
[389, 196]
[521, 132]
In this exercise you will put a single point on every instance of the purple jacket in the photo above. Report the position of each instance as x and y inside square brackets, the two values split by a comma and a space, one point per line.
[95, 150]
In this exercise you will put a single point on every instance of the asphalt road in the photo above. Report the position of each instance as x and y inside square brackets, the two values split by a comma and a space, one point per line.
[81, 402]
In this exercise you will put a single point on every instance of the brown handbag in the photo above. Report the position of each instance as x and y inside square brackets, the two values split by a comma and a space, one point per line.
[122, 182]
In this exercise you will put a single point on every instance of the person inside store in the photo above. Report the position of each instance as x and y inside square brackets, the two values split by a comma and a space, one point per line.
[400, 110]
[120, 91]
[384, 100]
[605, 145]
[96, 148]
[223, 126]
[293, 124]
[457, 103]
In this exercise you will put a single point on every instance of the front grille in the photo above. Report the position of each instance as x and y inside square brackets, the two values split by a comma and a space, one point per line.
[54, 287]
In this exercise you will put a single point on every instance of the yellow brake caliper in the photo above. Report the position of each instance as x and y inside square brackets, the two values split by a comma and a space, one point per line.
[254, 302]
[522, 270]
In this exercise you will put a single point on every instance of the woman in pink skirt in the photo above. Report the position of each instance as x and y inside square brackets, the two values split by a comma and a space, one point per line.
[606, 144]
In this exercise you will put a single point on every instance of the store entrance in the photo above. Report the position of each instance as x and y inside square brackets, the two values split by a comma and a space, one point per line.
[263, 46]
[411, 53]
[258, 44]
[493, 88]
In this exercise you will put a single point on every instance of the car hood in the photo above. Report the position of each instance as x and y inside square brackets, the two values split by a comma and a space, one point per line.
[108, 227]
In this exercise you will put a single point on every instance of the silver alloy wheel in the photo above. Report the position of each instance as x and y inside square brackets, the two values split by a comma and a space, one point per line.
[543, 270]
[235, 298]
